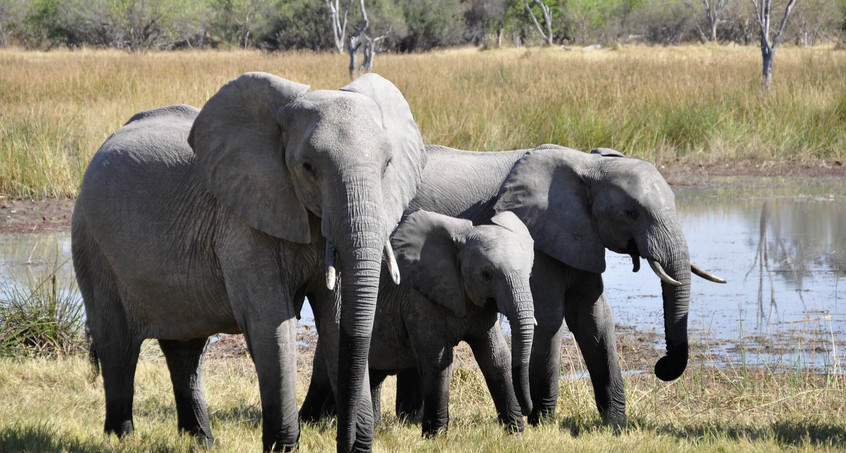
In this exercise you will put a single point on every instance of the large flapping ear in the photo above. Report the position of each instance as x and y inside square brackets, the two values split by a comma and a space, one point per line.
[408, 157]
[545, 190]
[426, 246]
[238, 140]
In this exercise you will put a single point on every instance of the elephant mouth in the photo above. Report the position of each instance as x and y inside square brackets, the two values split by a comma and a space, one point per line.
[634, 253]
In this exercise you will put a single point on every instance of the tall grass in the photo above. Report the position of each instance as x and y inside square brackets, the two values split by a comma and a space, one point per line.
[41, 317]
[691, 103]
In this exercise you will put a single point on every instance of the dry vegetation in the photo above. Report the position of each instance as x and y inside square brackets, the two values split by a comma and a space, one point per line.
[694, 103]
[51, 405]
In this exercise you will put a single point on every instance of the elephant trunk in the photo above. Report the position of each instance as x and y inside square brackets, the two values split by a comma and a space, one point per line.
[521, 316]
[360, 247]
[674, 260]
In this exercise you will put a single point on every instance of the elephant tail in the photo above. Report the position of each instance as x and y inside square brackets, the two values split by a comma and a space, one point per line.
[93, 360]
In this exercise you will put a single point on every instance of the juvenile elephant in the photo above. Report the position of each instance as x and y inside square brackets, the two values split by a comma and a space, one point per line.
[457, 277]
[575, 205]
[190, 223]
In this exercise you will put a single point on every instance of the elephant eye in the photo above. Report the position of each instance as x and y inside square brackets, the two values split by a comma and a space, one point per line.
[486, 276]
[385, 168]
[308, 167]
[632, 214]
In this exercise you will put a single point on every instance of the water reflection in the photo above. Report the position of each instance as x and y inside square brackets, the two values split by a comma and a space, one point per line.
[780, 244]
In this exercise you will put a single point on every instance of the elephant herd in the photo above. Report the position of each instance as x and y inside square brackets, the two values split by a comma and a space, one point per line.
[194, 222]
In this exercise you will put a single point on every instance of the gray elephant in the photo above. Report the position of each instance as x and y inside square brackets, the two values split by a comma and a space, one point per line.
[190, 223]
[457, 277]
[575, 205]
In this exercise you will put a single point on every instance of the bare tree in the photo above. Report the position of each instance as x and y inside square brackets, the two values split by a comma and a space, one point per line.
[372, 47]
[357, 39]
[713, 13]
[339, 27]
[546, 18]
[768, 46]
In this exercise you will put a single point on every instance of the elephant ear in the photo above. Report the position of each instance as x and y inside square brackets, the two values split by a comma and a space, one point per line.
[239, 145]
[545, 190]
[405, 168]
[607, 152]
[512, 223]
[426, 246]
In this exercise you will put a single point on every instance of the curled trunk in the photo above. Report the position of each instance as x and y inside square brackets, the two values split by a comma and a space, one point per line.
[676, 305]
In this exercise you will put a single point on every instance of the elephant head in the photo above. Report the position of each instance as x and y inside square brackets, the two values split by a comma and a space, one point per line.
[576, 205]
[453, 263]
[298, 165]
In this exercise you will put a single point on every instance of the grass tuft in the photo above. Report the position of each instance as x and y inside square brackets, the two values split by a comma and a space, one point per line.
[40, 317]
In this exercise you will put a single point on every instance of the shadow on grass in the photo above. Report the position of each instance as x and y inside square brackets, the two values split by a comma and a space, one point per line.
[40, 437]
[791, 434]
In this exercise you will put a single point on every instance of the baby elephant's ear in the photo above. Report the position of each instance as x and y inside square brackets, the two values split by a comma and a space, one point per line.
[426, 245]
[512, 223]
[607, 152]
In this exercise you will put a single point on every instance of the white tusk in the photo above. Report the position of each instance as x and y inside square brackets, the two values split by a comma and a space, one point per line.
[705, 274]
[659, 271]
[331, 273]
[388, 253]
[535, 320]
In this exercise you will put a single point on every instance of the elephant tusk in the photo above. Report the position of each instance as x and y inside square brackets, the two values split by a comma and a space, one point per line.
[659, 271]
[331, 273]
[705, 274]
[635, 263]
[535, 321]
[392, 262]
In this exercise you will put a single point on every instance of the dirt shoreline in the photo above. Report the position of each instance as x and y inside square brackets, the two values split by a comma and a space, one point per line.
[28, 216]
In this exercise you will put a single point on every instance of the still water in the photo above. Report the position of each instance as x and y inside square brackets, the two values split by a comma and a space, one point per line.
[780, 243]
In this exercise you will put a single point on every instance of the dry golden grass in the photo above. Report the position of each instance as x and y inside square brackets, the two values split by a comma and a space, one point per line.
[50, 405]
[694, 103]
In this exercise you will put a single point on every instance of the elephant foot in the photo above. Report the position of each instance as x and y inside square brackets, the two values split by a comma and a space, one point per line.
[433, 430]
[205, 441]
[541, 415]
[120, 429]
[615, 419]
[515, 426]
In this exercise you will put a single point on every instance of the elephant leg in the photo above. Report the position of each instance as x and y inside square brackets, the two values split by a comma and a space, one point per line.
[118, 359]
[377, 377]
[548, 280]
[589, 317]
[185, 360]
[319, 402]
[494, 359]
[409, 393]
[435, 368]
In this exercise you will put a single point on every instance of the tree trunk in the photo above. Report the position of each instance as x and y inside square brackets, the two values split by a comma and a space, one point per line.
[767, 53]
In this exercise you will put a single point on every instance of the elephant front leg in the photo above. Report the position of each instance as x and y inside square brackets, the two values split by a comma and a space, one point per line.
[272, 346]
[589, 317]
[319, 402]
[494, 359]
[435, 368]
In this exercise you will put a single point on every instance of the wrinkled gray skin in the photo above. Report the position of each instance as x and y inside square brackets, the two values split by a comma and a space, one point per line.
[457, 277]
[575, 205]
[191, 223]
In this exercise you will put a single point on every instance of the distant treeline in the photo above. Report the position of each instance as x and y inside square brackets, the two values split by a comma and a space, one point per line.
[415, 25]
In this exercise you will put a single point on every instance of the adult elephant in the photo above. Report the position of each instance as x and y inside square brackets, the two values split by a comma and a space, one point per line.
[190, 223]
[575, 205]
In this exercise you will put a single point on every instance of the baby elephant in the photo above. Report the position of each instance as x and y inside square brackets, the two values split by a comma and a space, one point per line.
[456, 277]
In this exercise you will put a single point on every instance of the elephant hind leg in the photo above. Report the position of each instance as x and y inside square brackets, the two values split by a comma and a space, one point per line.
[409, 394]
[118, 359]
[113, 344]
[184, 360]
